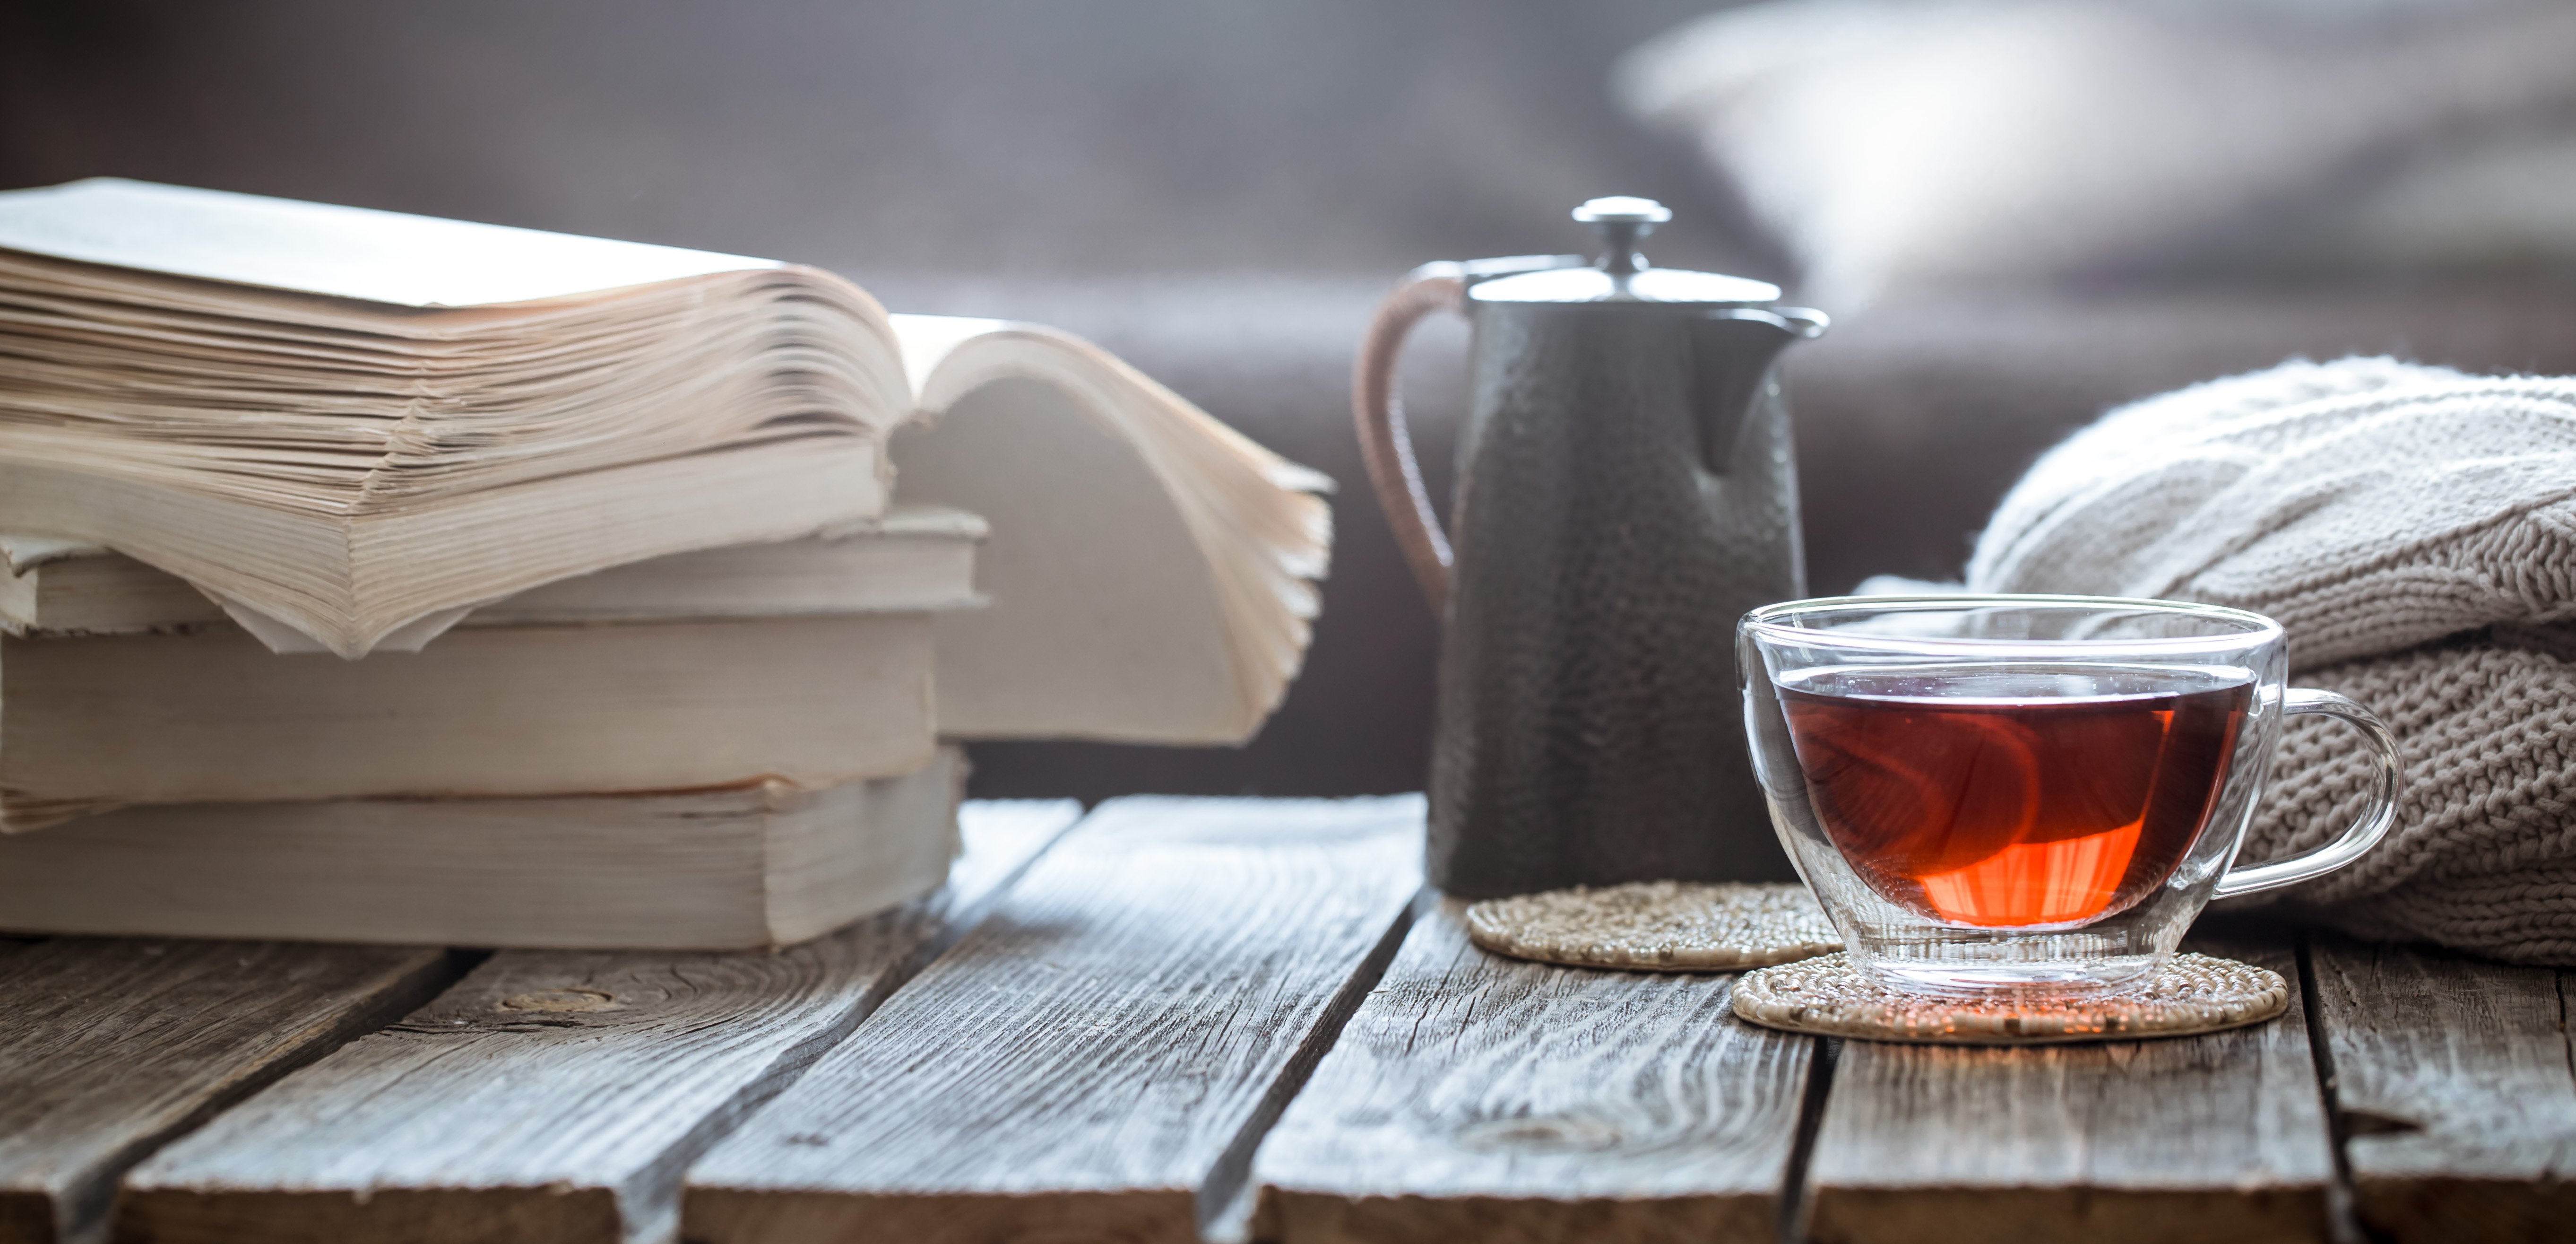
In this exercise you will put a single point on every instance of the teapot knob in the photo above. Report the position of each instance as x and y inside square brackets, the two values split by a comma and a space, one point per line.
[1623, 221]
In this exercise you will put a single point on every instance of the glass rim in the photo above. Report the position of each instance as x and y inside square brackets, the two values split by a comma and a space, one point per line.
[1768, 622]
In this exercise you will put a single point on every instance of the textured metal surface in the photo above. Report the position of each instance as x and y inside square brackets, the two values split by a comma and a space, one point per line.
[1590, 731]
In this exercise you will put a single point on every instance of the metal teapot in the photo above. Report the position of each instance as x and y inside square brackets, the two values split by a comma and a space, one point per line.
[1625, 492]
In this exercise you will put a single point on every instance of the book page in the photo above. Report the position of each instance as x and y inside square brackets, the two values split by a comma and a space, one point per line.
[927, 340]
[1151, 570]
[343, 252]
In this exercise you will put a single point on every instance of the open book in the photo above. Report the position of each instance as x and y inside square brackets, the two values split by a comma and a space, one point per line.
[355, 427]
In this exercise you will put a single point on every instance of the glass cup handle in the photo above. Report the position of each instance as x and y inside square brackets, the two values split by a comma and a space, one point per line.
[2365, 833]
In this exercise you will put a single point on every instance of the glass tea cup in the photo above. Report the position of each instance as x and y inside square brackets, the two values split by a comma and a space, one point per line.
[2027, 795]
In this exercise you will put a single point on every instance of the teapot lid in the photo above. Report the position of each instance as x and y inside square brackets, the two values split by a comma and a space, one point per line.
[1621, 274]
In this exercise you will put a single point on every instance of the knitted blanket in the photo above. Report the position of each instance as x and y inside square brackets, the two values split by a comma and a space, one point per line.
[2414, 528]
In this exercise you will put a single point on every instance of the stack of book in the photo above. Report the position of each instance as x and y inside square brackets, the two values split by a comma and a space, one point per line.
[373, 577]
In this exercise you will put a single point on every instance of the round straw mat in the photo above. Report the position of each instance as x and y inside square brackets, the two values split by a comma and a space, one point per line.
[1657, 926]
[1832, 997]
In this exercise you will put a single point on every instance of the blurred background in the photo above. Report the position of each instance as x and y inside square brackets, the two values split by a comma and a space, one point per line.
[2021, 212]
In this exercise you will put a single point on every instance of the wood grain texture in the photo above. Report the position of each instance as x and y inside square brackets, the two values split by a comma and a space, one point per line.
[110, 1047]
[551, 1096]
[2208, 1138]
[1097, 1060]
[1485, 1099]
[2453, 1079]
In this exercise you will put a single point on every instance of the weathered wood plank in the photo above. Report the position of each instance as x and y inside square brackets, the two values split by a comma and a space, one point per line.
[109, 1047]
[1098, 1059]
[2209, 1138]
[552, 1096]
[1479, 1098]
[2453, 1079]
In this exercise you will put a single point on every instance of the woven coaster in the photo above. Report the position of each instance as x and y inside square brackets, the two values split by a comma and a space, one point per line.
[1831, 997]
[1657, 926]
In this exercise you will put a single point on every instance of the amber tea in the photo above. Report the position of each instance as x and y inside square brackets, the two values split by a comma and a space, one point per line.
[2014, 795]
[2029, 796]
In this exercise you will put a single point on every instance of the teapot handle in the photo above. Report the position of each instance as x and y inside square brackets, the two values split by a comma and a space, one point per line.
[1384, 444]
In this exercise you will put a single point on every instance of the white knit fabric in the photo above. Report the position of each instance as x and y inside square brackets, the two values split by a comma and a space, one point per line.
[2415, 530]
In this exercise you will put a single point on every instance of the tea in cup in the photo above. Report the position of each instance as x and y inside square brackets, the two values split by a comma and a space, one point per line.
[2026, 794]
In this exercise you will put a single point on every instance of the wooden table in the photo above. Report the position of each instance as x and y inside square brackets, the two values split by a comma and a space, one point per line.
[1222, 1019]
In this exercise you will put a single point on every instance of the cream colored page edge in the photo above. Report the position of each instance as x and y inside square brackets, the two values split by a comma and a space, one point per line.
[320, 248]
[1265, 552]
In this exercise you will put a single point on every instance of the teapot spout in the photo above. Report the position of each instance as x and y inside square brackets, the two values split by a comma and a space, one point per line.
[1731, 354]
